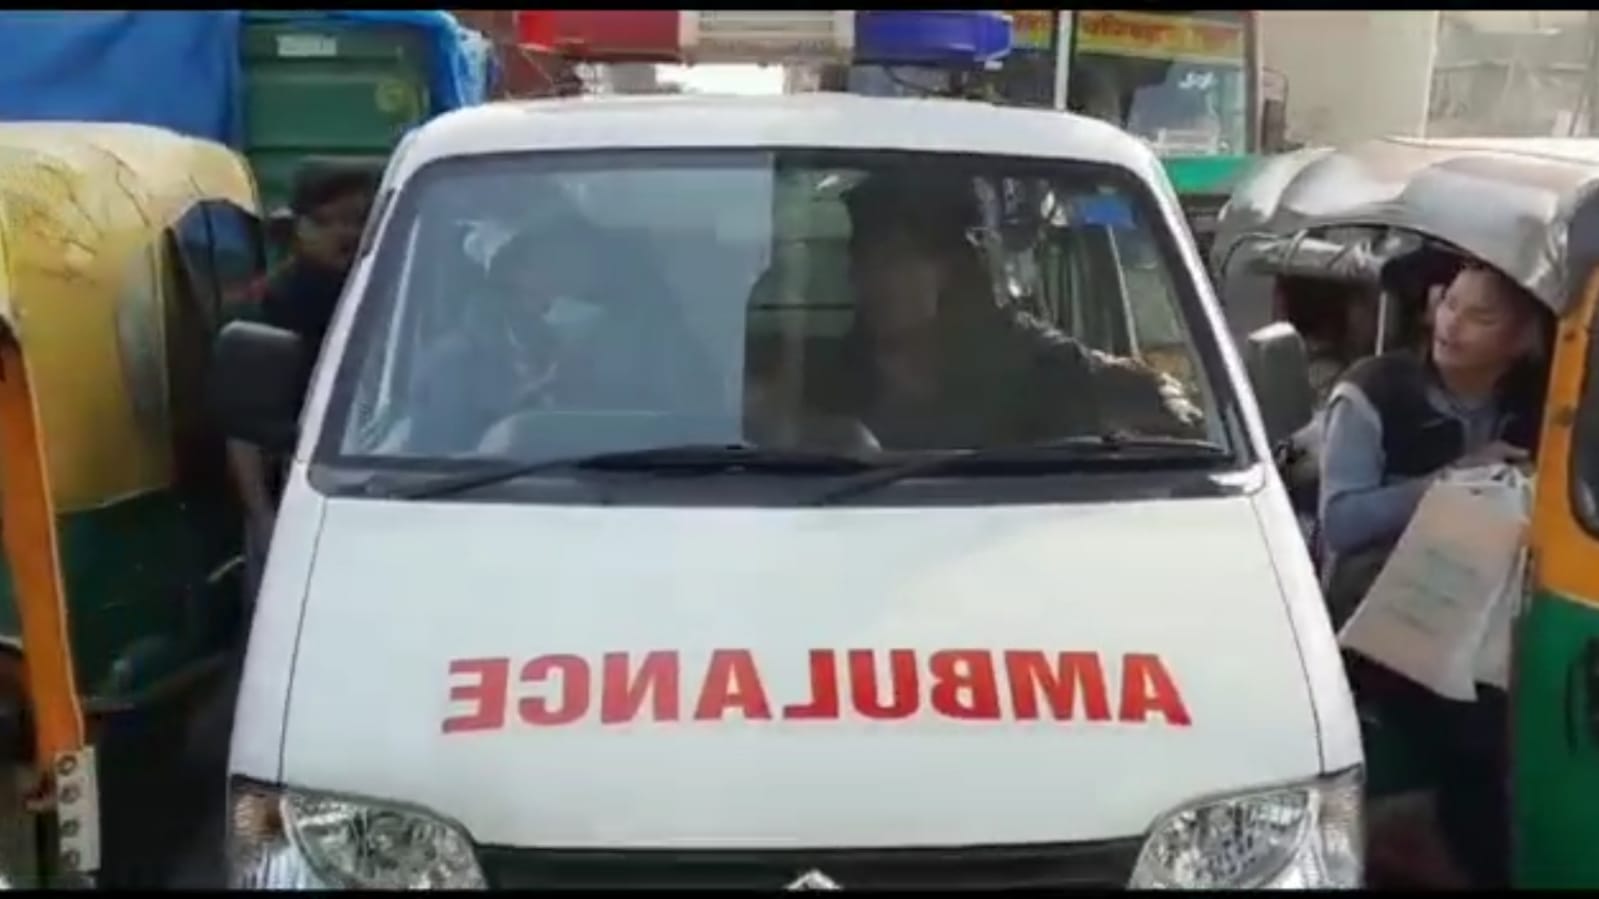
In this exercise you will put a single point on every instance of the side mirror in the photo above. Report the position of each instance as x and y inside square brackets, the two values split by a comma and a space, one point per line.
[256, 385]
[1279, 369]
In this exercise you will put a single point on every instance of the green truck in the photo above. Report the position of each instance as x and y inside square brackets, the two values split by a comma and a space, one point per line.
[342, 85]
[319, 87]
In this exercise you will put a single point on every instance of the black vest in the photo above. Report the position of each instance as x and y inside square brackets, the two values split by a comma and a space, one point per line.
[1417, 440]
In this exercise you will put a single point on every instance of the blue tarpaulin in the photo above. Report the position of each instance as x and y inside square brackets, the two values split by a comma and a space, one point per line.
[175, 69]
[182, 70]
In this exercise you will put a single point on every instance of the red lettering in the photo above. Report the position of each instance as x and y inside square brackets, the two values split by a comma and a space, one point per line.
[824, 690]
[574, 702]
[864, 690]
[1074, 674]
[622, 692]
[964, 685]
[488, 690]
[732, 681]
[1148, 687]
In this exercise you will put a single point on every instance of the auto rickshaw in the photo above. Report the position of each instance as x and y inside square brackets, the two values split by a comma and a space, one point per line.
[1529, 209]
[119, 593]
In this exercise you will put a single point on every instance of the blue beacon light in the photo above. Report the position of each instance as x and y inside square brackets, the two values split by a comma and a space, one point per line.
[931, 37]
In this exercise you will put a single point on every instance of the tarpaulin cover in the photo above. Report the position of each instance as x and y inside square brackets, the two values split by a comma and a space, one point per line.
[174, 69]
[182, 70]
[1510, 202]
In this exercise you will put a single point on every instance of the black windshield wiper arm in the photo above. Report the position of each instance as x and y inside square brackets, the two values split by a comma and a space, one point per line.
[705, 457]
[1117, 448]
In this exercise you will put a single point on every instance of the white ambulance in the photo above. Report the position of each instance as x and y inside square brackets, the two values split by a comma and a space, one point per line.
[794, 492]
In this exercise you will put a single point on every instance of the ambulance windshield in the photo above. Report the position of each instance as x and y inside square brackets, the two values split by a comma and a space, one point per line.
[858, 302]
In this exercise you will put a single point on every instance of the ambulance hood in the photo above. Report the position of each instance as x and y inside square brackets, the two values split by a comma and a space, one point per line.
[585, 677]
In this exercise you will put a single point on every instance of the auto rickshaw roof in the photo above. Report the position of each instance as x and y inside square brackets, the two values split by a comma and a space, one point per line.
[1509, 202]
[85, 195]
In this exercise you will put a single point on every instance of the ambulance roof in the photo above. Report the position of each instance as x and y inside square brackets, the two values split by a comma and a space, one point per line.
[790, 120]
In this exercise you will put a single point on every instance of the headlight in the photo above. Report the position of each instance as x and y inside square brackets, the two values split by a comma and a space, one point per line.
[280, 838]
[1304, 836]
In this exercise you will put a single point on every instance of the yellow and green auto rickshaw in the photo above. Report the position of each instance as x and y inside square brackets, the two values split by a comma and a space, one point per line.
[1529, 208]
[120, 589]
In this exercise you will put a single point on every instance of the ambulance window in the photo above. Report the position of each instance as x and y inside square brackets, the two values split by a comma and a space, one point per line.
[558, 304]
[374, 220]
[1052, 250]
[1158, 330]
[1079, 289]
[807, 278]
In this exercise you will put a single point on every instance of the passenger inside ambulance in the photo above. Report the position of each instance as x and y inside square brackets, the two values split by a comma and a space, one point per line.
[553, 312]
[506, 339]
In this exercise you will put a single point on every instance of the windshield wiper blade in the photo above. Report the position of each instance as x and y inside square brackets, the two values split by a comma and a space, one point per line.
[1114, 448]
[693, 456]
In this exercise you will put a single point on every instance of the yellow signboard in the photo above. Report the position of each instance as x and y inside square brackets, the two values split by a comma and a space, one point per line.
[1032, 29]
[1157, 36]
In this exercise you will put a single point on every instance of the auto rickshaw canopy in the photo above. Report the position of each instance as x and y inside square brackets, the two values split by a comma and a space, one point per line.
[80, 203]
[1515, 204]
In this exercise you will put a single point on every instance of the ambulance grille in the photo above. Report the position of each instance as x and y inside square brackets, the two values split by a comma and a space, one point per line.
[1101, 865]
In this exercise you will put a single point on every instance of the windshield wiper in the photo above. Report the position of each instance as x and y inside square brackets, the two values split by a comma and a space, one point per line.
[1117, 449]
[708, 457]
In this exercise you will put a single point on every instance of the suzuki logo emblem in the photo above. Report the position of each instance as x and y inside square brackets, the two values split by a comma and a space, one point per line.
[813, 880]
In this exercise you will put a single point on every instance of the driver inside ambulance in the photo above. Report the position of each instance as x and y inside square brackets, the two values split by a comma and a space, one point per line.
[939, 363]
